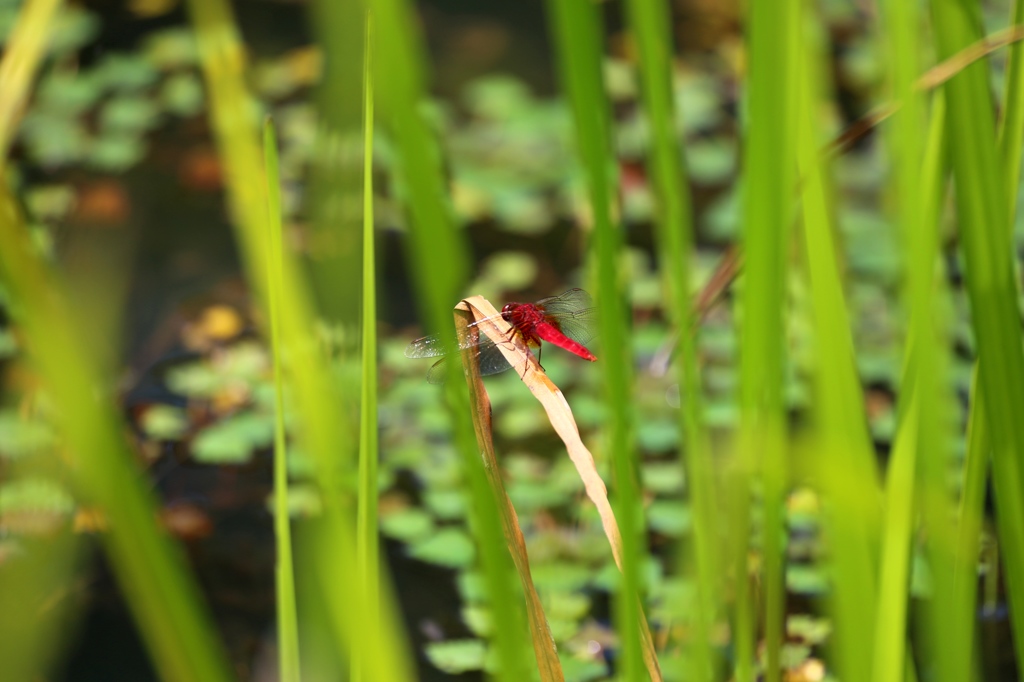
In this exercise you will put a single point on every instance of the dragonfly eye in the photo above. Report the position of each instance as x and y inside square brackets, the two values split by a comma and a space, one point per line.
[507, 310]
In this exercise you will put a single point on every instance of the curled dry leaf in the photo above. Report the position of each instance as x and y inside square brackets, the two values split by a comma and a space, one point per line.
[562, 420]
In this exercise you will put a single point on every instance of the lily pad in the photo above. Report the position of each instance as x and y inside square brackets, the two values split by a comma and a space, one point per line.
[407, 524]
[457, 656]
[451, 547]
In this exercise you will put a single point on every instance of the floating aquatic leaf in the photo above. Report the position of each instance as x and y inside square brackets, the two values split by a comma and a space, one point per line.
[407, 524]
[561, 628]
[809, 629]
[21, 437]
[233, 440]
[67, 93]
[117, 152]
[457, 656]
[164, 422]
[129, 114]
[722, 218]
[182, 94]
[472, 586]
[73, 28]
[446, 504]
[171, 49]
[566, 605]
[496, 97]
[33, 505]
[478, 619]
[510, 270]
[50, 202]
[195, 380]
[669, 517]
[8, 344]
[698, 101]
[521, 421]
[580, 670]
[54, 139]
[721, 414]
[658, 435]
[561, 577]
[711, 161]
[450, 547]
[304, 501]
[528, 496]
[125, 71]
[663, 477]
[804, 579]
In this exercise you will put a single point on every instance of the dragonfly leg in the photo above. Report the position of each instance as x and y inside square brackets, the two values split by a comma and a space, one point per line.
[527, 366]
[509, 337]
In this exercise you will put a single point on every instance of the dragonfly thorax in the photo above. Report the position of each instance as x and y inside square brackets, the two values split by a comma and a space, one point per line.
[523, 317]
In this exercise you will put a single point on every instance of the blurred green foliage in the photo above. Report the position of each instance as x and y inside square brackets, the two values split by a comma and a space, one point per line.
[513, 171]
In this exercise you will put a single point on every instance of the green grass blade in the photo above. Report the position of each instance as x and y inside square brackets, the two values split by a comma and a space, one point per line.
[928, 344]
[769, 174]
[979, 441]
[925, 402]
[44, 568]
[972, 513]
[1011, 130]
[328, 547]
[23, 51]
[577, 35]
[437, 258]
[847, 471]
[985, 241]
[890, 642]
[367, 543]
[287, 618]
[649, 21]
[924, 413]
[163, 599]
[335, 185]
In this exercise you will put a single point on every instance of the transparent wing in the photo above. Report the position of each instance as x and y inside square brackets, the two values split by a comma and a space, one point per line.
[573, 313]
[427, 347]
[488, 355]
[433, 346]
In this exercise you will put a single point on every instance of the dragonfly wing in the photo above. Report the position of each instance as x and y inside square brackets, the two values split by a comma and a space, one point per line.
[433, 346]
[438, 372]
[488, 355]
[574, 314]
[427, 347]
[492, 361]
[568, 301]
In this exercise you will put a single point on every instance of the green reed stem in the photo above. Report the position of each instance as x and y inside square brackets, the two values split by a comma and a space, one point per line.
[287, 618]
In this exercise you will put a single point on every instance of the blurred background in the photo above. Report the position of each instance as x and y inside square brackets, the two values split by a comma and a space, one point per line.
[123, 186]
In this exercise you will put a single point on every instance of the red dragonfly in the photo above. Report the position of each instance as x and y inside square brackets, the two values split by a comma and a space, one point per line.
[566, 321]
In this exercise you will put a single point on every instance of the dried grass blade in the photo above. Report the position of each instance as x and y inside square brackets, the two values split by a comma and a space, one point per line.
[540, 633]
[560, 415]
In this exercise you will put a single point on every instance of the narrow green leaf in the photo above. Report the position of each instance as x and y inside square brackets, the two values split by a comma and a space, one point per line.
[1011, 129]
[287, 618]
[437, 259]
[577, 33]
[328, 546]
[649, 20]
[165, 601]
[773, 39]
[991, 284]
[847, 472]
[367, 544]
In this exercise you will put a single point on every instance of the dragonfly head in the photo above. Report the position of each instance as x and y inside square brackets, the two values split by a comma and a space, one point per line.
[506, 311]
